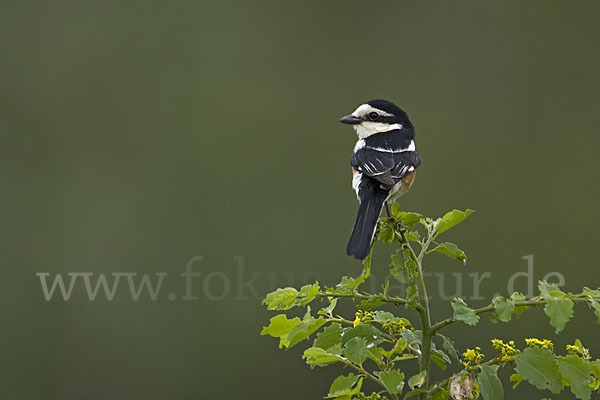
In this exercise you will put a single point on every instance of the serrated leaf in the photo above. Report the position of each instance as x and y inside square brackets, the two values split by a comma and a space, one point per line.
[392, 380]
[451, 219]
[417, 380]
[413, 337]
[281, 299]
[371, 334]
[403, 268]
[517, 378]
[463, 313]
[548, 290]
[539, 368]
[383, 316]
[316, 356]
[329, 337]
[355, 350]
[280, 327]
[345, 386]
[591, 292]
[386, 232]
[307, 294]
[577, 373]
[408, 219]
[303, 330]
[353, 283]
[560, 311]
[371, 303]
[518, 297]
[448, 345]
[503, 309]
[413, 236]
[451, 250]
[489, 384]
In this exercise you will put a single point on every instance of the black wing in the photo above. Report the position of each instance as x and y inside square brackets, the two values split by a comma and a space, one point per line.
[386, 167]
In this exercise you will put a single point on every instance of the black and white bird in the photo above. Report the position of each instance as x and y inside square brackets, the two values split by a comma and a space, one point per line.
[383, 164]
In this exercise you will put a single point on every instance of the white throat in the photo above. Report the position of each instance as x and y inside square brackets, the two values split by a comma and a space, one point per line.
[368, 128]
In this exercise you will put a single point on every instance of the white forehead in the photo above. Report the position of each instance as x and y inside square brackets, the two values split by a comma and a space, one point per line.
[365, 109]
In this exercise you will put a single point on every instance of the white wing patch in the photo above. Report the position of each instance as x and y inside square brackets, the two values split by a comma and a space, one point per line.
[356, 180]
[411, 147]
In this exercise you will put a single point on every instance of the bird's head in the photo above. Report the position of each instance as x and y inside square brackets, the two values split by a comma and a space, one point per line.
[377, 116]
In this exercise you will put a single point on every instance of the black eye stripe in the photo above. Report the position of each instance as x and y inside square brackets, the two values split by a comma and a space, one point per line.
[373, 116]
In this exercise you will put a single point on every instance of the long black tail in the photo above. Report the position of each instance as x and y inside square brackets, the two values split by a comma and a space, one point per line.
[372, 198]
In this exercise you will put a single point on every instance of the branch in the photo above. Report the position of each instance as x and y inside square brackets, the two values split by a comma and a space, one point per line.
[530, 303]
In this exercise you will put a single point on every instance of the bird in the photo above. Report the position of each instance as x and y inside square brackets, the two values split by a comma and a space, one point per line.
[384, 163]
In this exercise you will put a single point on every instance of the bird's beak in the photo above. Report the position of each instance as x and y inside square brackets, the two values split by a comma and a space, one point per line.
[350, 119]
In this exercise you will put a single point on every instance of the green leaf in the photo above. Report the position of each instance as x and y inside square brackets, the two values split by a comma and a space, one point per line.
[308, 294]
[417, 380]
[303, 330]
[451, 250]
[371, 303]
[503, 309]
[413, 236]
[412, 295]
[281, 299]
[490, 385]
[539, 368]
[463, 313]
[550, 290]
[517, 378]
[316, 355]
[452, 218]
[403, 268]
[371, 334]
[413, 337]
[591, 292]
[383, 316]
[448, 345]
[386, 232]
[350, 284]
[376, 354]
[329, 309]
[408, 219]
[399, 347]
[577, 372]
[392, 380]
[280, 327]
[442, 394]
[329, 337]
[596, 306]
[560, 312]
[518, 297]
[345, 386]
[439, 359]
[355, 350]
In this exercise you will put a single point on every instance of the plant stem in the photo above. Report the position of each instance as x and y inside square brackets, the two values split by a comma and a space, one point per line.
[423, 310]
[363, 296]
[362, 371]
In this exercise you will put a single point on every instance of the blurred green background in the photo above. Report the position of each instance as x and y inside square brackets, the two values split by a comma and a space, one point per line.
[136, 135]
